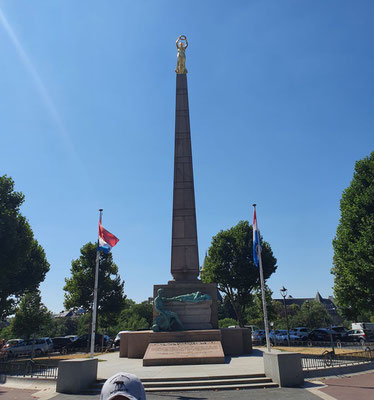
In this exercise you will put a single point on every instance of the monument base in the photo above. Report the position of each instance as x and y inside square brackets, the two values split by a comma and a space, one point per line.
[235, 341]
[184, 353]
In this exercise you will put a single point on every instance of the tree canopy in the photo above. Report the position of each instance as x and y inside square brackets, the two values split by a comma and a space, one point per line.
[79, 287]
[311, 314]
[353, 262]
[230, 264]
[23, 264]
[32, 317]
[135, 316]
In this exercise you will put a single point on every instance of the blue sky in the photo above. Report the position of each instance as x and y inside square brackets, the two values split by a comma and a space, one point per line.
[281, 107]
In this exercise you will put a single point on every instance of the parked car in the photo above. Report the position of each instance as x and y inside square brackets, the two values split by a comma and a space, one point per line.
[25, 347]
[60, 342]
[258, 337]
[12, 342]
[83, 343]
[367, 326]
[117, 339]
[72, 337]
[252, 327]
[342, 331]
[359, 335]
[302, 332]
[280, 337]
[323, 335]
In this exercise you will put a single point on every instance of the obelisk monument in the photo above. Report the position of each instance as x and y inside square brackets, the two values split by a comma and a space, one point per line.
[185, 321]
[184, 249]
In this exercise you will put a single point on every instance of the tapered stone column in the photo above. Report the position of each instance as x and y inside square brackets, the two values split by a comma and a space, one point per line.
[184, 249]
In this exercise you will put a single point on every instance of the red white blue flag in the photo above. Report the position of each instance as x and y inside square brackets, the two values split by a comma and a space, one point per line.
[106, 239]
[256, 240]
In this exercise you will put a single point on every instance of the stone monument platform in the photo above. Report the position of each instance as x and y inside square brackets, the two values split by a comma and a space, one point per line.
[184, 353]
[235, 342]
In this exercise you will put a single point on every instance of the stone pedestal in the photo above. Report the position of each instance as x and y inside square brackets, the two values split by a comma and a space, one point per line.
[284, 368]
[235, 342]
[134, 344]
[184, 353]
[202, 315]
[76, 375]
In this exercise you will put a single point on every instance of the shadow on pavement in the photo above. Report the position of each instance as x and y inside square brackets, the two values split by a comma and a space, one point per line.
[180, 397]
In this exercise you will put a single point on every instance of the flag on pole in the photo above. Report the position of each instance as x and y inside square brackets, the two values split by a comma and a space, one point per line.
[256, 240]
[106, 239]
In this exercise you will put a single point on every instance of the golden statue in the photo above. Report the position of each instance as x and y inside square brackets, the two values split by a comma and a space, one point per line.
[182, 45]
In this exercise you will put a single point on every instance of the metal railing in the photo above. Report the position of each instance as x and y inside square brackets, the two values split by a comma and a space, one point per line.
[28, 369]
[330, 359]
[309, 343]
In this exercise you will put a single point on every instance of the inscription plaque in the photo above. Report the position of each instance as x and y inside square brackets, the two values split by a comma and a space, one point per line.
[181, 353]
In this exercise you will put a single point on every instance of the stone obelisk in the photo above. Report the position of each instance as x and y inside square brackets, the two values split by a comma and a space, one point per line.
[185, 316]
[184, 249]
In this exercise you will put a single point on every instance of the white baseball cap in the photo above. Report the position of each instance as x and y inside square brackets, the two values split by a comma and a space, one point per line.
[124, 385]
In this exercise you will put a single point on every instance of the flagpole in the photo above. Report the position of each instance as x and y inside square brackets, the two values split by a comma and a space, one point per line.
[94, 305]
[263, 297]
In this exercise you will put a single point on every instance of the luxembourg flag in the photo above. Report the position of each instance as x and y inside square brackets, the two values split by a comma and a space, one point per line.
[256, 240]
[106, 240]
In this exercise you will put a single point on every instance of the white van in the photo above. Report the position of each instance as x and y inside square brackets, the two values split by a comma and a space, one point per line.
[368, 326]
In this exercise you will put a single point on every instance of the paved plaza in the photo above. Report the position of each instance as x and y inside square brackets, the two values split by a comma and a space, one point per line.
[260, 394]
[355, 386]
[111, 363]
[358, 387]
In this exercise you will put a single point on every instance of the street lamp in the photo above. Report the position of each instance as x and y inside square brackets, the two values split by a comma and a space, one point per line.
[283, 292]
[307, 305]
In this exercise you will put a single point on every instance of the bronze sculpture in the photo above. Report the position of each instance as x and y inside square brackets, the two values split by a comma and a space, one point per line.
[182, 45]
[169, 320]
[166, 320]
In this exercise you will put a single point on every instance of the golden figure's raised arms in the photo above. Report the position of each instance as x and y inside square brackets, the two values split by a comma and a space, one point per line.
[182, 45]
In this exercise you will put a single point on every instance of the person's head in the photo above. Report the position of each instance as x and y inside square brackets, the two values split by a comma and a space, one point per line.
[122, 386]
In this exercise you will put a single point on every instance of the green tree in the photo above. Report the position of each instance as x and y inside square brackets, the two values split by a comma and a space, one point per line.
[353, 262]
[225, 309]
[32, 317]
[84, 324]
[79, 287]
[6, 333]
[226, 322]
[311, 314]
[135, 316]
[230, 264]
[23, 264]
[254, 311]
[65, 326]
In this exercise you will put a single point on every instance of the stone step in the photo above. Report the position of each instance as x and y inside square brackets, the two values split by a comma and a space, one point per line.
[213, 387]
[205, 378]
[212, 382]
[226, 382]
